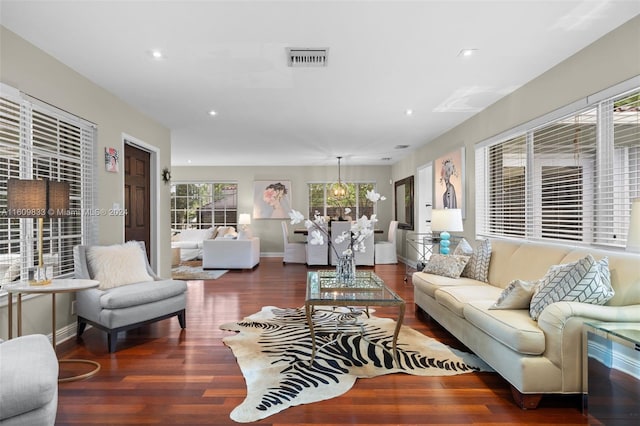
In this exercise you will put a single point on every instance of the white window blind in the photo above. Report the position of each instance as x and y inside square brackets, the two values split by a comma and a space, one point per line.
[40, 141]
[571, 179]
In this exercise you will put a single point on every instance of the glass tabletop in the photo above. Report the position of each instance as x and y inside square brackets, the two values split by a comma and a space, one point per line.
[629, 331]
[323, 287]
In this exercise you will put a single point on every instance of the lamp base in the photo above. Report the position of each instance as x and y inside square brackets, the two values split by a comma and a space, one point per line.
[444, 242]
[38, 276]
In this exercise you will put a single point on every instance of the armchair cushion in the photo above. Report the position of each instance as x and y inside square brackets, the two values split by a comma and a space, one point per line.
[141, 294]
[118, 264]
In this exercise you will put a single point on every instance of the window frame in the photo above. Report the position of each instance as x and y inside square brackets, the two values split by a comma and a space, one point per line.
[50, 143]
[601, 223]
[228, 212]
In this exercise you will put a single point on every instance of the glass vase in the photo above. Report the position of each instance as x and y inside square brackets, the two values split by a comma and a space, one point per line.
[346, 269]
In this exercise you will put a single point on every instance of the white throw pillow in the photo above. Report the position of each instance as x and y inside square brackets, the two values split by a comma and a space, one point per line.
[478, 265]
[584, 280]
[450, 265]
[118, 264]
[517, 295]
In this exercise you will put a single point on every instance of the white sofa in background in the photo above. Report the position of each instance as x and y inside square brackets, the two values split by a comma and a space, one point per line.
[223, 253]
[189, 241]
[535, 357]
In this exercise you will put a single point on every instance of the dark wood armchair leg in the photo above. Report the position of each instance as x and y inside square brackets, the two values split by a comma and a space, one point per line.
[112, 340]
[528, 401]
[182, 319]
[81, 326]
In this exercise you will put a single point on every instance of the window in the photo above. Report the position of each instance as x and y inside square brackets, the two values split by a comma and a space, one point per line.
[570, 179]
[321, 200]
[203, 205]
[39, 141]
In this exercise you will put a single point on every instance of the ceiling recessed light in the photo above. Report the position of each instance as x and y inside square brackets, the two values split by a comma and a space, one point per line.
[409, 111]
[467, 52]
[401, 146]
[157, 54]
[386, 158]
[212, 113]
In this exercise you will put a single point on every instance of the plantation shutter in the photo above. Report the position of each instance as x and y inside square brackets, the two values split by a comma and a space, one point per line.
[40, 141]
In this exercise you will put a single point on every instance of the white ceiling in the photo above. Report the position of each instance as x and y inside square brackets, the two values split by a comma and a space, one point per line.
[384, 57]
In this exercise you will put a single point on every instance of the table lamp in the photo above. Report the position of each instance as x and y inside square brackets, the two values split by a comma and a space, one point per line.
[245, 230]
[37, 199]
[633, 236]
[445, 221]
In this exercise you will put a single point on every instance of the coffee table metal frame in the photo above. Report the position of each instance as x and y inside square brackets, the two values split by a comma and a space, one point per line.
[367, 290]
[56, 286]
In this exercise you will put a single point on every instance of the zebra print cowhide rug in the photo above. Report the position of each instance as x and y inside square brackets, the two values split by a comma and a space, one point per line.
[273, 349]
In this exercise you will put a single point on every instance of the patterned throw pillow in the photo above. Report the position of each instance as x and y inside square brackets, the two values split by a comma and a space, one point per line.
[517, 295]
[584, 280]
[478, 266]
[446, 265]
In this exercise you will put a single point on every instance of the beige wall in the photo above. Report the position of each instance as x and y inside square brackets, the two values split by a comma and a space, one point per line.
[34, 72]
[270, 230]
[613, 59]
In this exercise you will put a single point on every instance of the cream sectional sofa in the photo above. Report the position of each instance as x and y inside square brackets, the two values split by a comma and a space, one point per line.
[535, 357]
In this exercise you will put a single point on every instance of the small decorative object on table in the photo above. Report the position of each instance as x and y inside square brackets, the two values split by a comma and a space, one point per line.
[360, 230]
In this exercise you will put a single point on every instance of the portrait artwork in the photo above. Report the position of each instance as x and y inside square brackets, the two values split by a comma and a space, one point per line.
[271, 199]
[449, 181]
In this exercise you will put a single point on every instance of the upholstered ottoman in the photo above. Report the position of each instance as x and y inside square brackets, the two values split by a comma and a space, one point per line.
[28, 381]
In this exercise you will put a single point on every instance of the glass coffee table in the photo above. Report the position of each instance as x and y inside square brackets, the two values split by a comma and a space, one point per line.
[323, 289]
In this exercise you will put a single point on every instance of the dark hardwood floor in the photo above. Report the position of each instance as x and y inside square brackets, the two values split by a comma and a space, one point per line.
[163, 375]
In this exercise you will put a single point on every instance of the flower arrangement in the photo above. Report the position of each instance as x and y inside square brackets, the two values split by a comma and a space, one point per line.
[360, 229]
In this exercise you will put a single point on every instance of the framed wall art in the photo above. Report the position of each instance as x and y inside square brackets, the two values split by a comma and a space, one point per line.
[448, 179]
[271, 199]
[111, 160]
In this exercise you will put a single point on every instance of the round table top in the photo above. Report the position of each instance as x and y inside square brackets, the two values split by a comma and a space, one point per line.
[56, 286]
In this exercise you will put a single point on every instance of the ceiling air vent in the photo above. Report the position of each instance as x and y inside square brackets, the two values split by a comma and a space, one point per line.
[307, 57]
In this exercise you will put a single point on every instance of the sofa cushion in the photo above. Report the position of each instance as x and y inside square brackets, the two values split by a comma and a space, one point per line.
[478, 265]
[187, 244]
[118, 264]
[195, 234]
[429, 283]
[517, 295]
[141, 293]
[584, 280]
[446, 265]
[513, 328]
[454, 298]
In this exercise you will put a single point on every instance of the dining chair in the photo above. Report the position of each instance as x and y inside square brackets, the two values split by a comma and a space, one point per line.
[294, 252]
[385, 251]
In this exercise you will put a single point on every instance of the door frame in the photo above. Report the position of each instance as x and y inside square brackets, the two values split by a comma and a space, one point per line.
[154, 195]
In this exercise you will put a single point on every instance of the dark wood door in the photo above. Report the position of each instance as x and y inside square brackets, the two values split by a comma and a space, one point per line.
[137, 195]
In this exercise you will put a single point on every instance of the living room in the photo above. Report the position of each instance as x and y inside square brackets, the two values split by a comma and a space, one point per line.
[609, 64]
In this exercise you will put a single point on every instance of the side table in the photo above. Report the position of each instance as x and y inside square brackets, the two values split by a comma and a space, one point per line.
[56, 286]
[611, 376]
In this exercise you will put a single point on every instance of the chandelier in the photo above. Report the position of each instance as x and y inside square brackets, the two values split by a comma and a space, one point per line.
[339, 189]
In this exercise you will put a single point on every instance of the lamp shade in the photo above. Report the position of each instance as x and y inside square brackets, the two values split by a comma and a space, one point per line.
[446, 220]
[633, 236]
[244, 219]
[37, 198]
[58, 204]
[26, 198]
